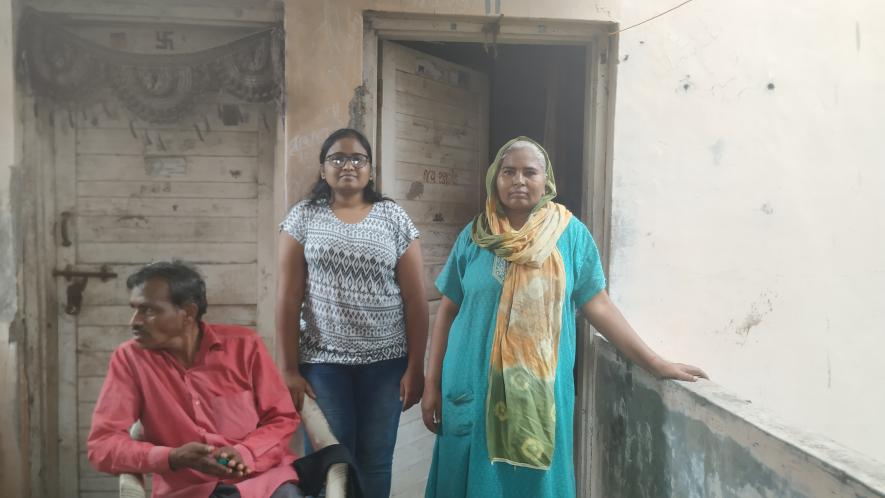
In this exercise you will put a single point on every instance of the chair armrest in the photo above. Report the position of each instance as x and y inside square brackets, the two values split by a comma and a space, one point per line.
[320, 435]
[132, 485]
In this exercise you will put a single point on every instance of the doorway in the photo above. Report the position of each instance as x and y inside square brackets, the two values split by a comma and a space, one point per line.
[445, 108]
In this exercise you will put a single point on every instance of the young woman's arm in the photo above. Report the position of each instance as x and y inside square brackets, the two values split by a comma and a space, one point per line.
[431, 404]
[608, 320]
[292, 272]
[410, 275]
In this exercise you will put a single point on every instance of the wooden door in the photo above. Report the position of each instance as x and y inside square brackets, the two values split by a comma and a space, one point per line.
[433, 155]
[128, 193]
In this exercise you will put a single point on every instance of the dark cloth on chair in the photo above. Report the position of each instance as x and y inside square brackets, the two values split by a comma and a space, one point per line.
[312, 470]
[286, 490]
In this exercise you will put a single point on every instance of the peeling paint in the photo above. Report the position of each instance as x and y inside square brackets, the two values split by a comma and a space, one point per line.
[357, 108]
[758, 309]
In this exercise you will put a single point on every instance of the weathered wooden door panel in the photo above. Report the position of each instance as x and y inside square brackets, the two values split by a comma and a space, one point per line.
[132, 193]
[434, 136]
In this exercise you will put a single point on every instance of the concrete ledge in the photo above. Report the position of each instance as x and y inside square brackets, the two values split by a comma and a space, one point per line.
[655, 439]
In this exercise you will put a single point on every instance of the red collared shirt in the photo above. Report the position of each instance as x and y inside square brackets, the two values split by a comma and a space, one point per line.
[233, 395]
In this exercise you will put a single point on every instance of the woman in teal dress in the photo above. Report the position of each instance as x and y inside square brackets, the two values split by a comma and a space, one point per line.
[499, 390]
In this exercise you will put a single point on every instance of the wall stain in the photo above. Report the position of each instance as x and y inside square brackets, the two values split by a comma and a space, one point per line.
[770, 85]
[857, 35]
[767, 209]
[686, 83]
[416, 189]
[717, 150]
[758, 310]
[138, 220]
[357, 108]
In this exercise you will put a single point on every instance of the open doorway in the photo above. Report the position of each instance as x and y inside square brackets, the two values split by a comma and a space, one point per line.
[534, 90]
[444, 109]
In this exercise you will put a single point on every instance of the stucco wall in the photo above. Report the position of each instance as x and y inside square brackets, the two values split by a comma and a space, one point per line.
[324, 63]
[748, 214]
[654, 439]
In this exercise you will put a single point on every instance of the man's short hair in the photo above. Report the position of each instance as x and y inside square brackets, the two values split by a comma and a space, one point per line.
[185, 284]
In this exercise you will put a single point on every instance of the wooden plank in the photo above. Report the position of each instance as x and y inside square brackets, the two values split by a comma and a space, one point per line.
[436, 175]
[127, 206]
[64, 139]
[100, 494]
[167, 189]
[431, 131]
[167, 142]
[93, 363]
[88, 388]
[194, 169]
[86, 469]
[410, 105]
[102, 338]
[414, 62]
[437, 213]
[408, 151]
[91, 484]
[208, 116]
[225, 284]
[428, 88]
[419, 191]
[266, 226]
[138, 252]
[129, 228]
[431, 271]
[84, 414]
[120, 315]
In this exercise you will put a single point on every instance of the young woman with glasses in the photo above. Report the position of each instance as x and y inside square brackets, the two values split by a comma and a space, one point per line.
[351, 312]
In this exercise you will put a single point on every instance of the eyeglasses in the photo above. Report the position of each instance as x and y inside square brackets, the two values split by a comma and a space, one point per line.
[338, 161]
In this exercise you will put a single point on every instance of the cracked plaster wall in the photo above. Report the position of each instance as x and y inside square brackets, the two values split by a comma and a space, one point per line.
[748, 215]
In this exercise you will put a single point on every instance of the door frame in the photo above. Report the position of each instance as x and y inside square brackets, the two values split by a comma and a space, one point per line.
[601, 75]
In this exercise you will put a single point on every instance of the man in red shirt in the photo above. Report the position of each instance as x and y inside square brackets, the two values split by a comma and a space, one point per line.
[217, 417]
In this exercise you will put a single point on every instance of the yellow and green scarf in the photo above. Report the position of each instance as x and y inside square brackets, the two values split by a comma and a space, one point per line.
[520, 403]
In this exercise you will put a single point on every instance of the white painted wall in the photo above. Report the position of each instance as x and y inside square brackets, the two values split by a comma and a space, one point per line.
[749, 222]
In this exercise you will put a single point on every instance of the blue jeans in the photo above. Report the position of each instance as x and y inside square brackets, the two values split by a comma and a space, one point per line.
[362, 405]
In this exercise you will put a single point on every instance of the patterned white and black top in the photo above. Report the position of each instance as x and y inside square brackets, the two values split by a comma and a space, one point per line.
[353, 311]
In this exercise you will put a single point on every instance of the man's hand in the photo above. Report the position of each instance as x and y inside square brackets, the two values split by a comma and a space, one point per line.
[298, 387]
[231, 458]
[197, 456]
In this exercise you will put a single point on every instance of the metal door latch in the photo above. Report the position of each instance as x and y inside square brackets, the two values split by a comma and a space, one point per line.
[78, 281]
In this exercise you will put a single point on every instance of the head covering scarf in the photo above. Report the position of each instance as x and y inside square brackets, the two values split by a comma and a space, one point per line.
[520, 403]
